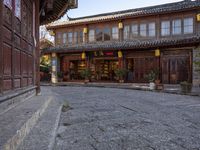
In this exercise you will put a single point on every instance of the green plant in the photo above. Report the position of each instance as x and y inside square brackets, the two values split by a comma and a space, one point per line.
[86, 74]
[120, 73]
[59, 74]
[44, 69]
[151, 76]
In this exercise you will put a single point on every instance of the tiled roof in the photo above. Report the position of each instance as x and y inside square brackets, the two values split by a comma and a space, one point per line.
[131, 44]
[165, 8]
[60, 7]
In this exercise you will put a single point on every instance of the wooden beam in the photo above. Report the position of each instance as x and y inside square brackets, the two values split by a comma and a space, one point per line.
[1, 46]
[37, 49]
[63, 10]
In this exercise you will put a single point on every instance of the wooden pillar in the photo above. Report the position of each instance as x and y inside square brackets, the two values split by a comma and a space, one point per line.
[54, 63]
[37, 53]
[120, 26]
[1, 46]
[120, 57]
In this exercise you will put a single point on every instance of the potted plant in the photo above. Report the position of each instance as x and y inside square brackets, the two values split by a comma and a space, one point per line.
[151, 77]
[186, 87]
[60, 76]
[86, 74]
[157, 73]
[120, 73]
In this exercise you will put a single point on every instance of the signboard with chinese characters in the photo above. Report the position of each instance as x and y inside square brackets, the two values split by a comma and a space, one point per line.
[105, 54]
[8, 3]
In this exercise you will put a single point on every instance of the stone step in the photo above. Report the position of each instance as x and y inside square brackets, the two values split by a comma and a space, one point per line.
[16, 123]
[42, 136]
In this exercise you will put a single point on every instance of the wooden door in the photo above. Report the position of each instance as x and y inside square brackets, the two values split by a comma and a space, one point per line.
[175, 69]
[17, 47]
[142, 66]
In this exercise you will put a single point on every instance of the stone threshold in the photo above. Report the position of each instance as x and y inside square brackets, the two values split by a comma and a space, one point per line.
[9, 95]
[17, 123]
[129, 86]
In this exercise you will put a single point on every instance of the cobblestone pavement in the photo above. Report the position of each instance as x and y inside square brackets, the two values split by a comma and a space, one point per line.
[117, 119]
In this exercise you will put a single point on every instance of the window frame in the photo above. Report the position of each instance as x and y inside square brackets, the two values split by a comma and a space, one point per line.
[193, 25]
[100, 37]
[70, 42]
[126, 33]
[109, 33]
[152, 30]
[91, 36]
[80, 37]
[161, 28]
[17, 10]
[59, 38]
[115, 34]
[175, 27]
[146, 33]
[8, 3]
[75, 38]
[131, 27]
[64, 39]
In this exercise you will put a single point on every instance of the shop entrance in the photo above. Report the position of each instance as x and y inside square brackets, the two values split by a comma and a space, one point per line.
[104, 70]
[175, 69]
[75, 69]
[139, 67]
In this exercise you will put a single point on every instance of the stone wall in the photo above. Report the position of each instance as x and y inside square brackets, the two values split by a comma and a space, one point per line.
[196, 74]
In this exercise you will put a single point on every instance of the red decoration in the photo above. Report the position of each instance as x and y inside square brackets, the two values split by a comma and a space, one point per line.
[109, 53]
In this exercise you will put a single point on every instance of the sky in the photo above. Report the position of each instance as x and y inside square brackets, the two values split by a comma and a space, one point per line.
[92, 7]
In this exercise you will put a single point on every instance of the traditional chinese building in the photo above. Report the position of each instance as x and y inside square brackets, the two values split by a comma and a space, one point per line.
[19, 42]
[164, 38]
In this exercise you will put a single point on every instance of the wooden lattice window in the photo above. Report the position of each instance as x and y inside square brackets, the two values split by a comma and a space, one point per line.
[18, 8]
[8, 3]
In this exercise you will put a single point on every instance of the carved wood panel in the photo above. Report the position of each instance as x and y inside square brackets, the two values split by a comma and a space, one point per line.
[7, 60]
[17, 46]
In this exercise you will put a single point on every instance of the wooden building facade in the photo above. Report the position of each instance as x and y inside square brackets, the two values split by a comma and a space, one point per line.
[162, 38]
[19, 41]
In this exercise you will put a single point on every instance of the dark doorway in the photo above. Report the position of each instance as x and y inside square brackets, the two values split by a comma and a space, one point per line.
[104, 70]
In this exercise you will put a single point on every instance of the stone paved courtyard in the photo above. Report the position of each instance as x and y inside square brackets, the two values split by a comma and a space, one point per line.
[116, 119]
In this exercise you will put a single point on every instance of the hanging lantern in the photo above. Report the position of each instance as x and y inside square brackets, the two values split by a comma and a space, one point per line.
[85, 30]
[120, 25]
[198, 17]
[157, 52]
[83, 55]
[120, 55]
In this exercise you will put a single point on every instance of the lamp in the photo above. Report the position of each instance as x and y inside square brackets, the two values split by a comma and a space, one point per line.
[198, 17]
[85, 30]
[83, 55]
[120, 25]
[120, 55]
[157, 52]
